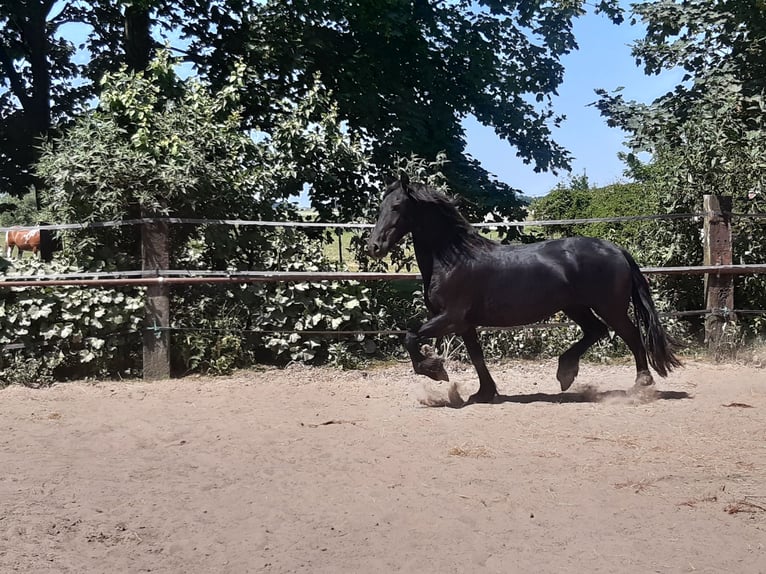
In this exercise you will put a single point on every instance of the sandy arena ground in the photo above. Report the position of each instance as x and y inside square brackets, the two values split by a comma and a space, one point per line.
[322, 471]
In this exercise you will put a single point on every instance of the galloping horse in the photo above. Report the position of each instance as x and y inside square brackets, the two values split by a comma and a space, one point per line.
[23, 240]
[470, 280]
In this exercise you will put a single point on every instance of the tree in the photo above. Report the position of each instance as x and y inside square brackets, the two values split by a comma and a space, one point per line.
[710, 127]
[42, 84]
[25, 109]
[167, 146]
[404, 73]
[707, 135]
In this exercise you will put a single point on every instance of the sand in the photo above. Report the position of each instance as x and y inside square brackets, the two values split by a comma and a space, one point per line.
[319, 470]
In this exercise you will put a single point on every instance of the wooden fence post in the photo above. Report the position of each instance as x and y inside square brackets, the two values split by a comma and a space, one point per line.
[155, 255]
[719, 288]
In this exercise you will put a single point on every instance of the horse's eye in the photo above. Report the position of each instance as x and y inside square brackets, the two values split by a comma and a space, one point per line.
[396, 206]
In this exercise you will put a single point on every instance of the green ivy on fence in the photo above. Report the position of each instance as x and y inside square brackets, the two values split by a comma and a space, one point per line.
[54, 333]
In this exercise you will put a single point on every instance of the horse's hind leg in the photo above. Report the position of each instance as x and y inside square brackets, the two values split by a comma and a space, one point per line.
[487, 388]
[593, 329]
[628, 332]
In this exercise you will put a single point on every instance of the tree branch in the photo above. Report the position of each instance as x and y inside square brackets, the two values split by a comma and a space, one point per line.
[17, 83]
[47, 6]
[67, 15]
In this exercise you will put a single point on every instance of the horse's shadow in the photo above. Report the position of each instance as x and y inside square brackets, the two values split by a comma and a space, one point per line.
[591, 396]
[585, 394]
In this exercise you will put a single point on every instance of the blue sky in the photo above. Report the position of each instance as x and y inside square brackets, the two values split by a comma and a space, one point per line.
[603, 61]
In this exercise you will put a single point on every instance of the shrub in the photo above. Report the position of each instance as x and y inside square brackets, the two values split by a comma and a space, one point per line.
[67, 332]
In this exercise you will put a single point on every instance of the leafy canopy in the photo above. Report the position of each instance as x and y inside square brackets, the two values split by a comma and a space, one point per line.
[708, 132]
[404, 73]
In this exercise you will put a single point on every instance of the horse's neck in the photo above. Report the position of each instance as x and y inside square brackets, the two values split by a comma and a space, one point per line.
[433, 247]
[425, 258]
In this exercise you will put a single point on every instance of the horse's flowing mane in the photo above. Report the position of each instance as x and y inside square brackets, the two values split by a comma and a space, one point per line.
[450, 234]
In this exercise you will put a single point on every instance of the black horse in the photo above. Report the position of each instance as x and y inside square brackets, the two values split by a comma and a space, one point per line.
[470, 280]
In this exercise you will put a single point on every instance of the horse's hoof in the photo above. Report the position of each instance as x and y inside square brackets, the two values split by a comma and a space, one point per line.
[644, 379]
[482, 397]
[433, 367]
[566, 376]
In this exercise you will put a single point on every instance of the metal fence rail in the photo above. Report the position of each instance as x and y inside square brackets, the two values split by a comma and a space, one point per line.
[192, 277]
[334, 225]
[363, 225]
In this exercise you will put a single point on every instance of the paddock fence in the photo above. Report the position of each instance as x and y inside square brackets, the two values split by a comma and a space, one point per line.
[156, 275]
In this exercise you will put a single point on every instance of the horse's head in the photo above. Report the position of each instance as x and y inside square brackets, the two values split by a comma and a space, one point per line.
[394, 219]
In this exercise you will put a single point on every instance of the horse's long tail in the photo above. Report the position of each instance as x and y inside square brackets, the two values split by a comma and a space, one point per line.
[659, 345]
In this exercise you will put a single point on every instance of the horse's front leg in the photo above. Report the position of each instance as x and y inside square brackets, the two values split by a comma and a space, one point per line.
[432, 367]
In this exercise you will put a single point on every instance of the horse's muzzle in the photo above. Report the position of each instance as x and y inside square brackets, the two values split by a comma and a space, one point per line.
[375, 249]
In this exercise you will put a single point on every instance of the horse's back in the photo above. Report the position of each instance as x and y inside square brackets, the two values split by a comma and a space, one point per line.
[564, 257]
[579, 245]
[584, 264]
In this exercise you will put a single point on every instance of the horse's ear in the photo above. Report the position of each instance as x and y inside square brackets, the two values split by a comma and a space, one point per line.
[388, 179]
[404, 179]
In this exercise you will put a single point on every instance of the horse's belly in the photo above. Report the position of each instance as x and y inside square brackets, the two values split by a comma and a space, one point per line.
[501, 317]
[508, 309]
